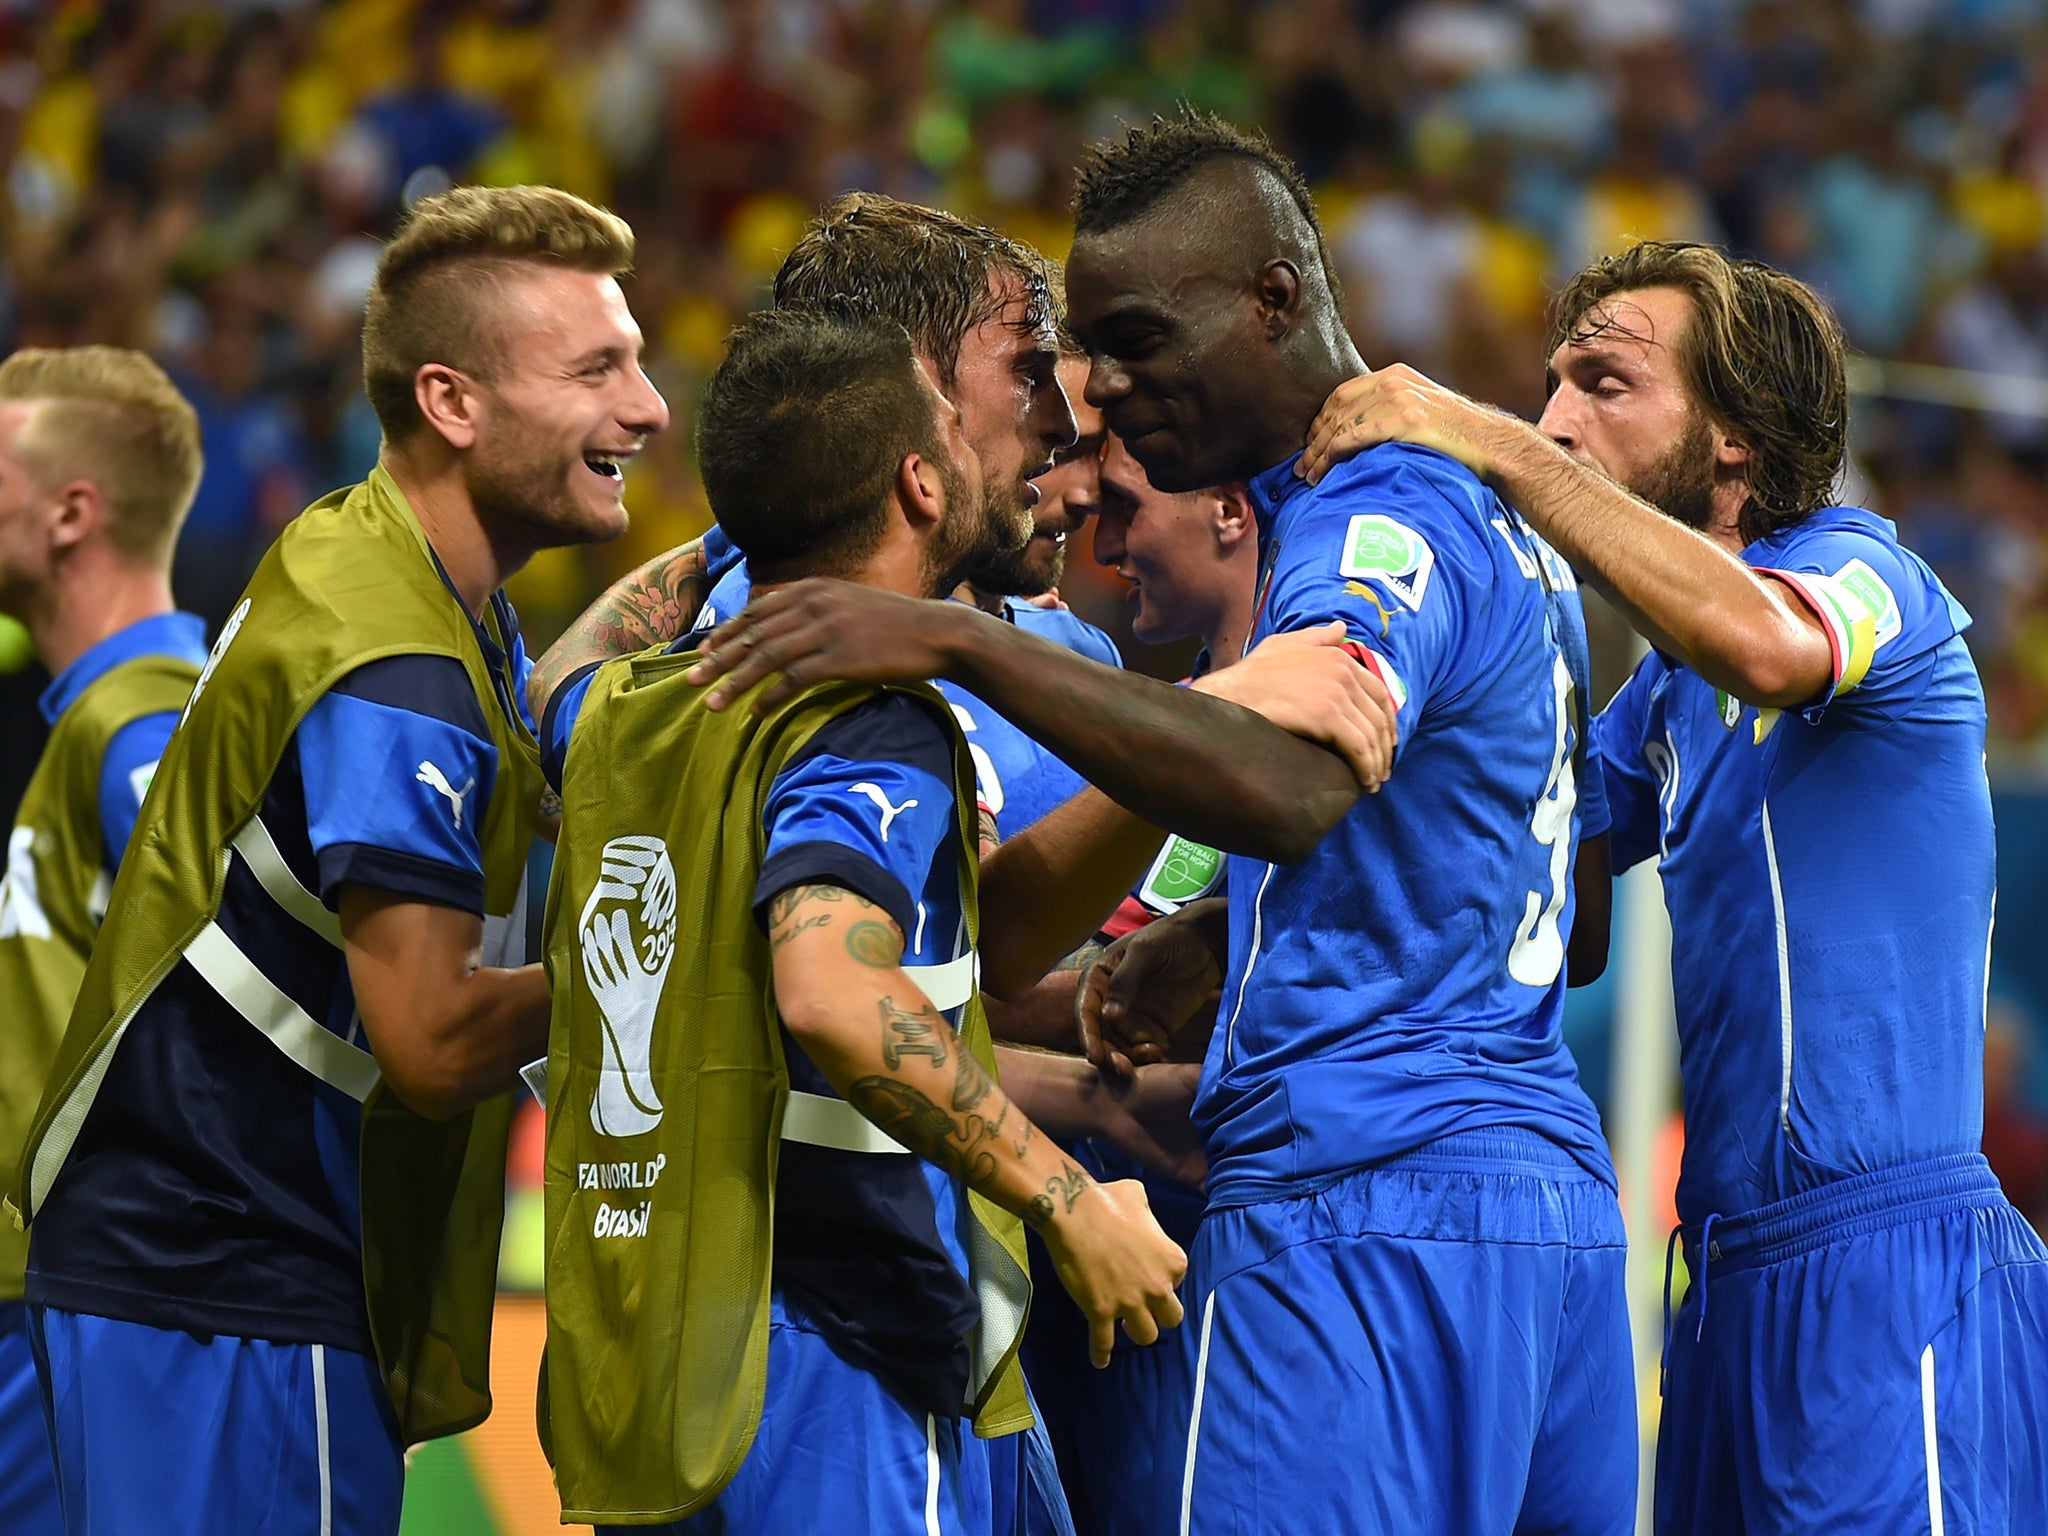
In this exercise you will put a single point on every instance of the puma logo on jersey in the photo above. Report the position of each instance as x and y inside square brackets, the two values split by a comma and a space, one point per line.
[437, 781]
[889, 812]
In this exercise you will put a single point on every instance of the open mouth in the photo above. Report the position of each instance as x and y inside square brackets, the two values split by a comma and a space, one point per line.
[604, 468]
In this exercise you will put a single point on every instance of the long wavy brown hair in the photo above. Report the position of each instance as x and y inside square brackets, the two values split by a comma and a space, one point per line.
[1762, 358]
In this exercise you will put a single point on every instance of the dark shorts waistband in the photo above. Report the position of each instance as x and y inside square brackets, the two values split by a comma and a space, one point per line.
[1863, 1202]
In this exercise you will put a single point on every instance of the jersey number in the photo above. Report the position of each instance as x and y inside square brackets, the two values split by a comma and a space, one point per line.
[1537, 955]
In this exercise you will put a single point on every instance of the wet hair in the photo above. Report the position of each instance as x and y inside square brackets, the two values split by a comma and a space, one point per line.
[936, 276]
[440, 283]
[801, 433]
[1121, 180]
[1762, 356]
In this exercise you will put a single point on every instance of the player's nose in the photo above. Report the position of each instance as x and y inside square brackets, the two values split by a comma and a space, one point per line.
[644, 410]
[1559, 421]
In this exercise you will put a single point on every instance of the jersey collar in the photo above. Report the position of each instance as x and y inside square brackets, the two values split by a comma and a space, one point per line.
[182, 635]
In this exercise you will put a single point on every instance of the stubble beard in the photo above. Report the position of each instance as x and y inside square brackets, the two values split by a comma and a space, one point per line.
[1681, 482]
[1001, 565]
[532, 501]
[985, 553]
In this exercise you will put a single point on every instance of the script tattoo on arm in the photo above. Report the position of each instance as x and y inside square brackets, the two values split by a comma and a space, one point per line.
[650, 606]
[794, 911]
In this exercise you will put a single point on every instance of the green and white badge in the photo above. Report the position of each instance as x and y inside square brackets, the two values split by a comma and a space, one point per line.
[1377, 548]
[1182, 873]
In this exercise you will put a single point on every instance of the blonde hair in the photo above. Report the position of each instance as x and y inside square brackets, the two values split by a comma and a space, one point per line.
[433, 298]
[110, 415]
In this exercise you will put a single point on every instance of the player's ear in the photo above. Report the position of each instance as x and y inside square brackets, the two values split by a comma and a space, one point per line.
[920, 492]
[1730, 453]
[448, 399]
[76, 511]
[1232, 518]
[1278, 289]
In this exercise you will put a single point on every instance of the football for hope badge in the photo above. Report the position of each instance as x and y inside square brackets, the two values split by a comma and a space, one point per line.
[1377, 548]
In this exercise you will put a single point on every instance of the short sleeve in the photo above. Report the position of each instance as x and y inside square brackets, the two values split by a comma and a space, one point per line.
[868, 805]
[125, 775]
[1383, 552]
[1882, 609]
[1614, 757]
[398, 766]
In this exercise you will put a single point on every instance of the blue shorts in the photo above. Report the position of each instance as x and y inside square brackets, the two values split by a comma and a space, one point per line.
[28, 1471]
[1099, 1422]
[838, 1451]
[1856, 1352]
[174, 1433]
[1437, 1343]
[1024, 1491]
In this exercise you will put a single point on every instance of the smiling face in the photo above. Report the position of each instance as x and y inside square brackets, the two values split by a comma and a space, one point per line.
[1180, 363]
[1621, 404]
[566, 406]
[1166, 546]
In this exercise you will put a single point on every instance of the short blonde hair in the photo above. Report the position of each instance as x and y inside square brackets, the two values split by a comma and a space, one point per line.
[112, 416]
[439, 278]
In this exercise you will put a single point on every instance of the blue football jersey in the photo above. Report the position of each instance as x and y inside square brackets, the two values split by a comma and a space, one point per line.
[1406, 980]
[1016, 778]
[1830, 874]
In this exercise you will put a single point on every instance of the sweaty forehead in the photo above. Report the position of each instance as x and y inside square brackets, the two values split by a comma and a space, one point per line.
[1644, 326]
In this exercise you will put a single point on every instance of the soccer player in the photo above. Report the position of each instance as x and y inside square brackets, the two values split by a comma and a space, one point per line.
[99, 460]
[266, 1179]
[1863, 1341]
[1409, 1284]
[851, 894]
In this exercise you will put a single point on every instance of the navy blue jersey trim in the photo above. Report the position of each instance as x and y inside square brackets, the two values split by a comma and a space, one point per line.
[551, 761]
[894, 728]
[821, 863]
[402, 874]
[425, 685]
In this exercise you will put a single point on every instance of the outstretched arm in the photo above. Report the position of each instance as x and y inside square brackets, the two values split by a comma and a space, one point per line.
[844, 996]
[651, 605]
[1692, 599]
[1193, 764]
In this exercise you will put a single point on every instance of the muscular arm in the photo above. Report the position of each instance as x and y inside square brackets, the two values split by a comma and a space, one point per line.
[1047, 890]
[651, 605]
[842, 991]
[447, 1031]
[1173, 756]
[1691, 598]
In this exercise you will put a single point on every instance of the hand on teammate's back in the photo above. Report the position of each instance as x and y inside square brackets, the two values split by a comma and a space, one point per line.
[817, 629]
[1306, 683]
[1116, 1263]
[1152, 995]
[1397, 404]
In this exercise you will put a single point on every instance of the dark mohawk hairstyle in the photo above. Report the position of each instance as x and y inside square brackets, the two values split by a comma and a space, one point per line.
[1120, 180]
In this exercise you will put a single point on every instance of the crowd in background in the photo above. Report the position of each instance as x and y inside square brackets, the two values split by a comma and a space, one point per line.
[211, 180]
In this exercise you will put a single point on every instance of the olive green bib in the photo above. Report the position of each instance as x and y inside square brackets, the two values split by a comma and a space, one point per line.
[350, 580]
[54, 895]
[668, 1098]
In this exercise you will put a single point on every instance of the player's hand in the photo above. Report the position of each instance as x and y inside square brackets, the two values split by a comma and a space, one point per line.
[1306, 683]
[1147, 1119]
[817, 629]
[1397, 404]
[1152, 995]
[1116, 1263]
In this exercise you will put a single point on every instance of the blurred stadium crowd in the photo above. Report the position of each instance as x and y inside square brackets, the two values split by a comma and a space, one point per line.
[210, 181]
